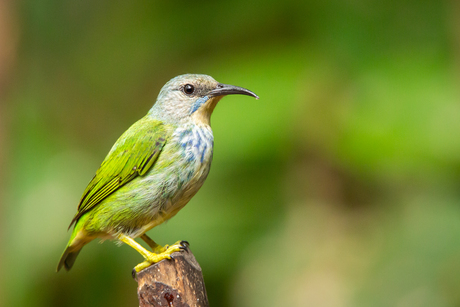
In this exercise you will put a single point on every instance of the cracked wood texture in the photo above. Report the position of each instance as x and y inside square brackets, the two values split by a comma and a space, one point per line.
[173, 283]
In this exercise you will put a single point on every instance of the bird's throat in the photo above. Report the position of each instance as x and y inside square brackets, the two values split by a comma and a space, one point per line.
[203, 114]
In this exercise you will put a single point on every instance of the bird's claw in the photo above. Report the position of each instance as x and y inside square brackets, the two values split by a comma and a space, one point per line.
[134, 274]
[183, 245]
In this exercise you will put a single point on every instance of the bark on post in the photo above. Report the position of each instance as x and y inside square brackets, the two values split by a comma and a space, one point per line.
[173, 283]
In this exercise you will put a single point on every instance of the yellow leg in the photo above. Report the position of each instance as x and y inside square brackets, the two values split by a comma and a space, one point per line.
[156, 248]
[125, 239]
[151, 258]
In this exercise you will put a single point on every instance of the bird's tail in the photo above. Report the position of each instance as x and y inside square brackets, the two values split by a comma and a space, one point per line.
[68, 258]
[78, 239]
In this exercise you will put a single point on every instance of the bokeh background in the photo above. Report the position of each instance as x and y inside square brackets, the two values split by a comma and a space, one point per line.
[339, 187]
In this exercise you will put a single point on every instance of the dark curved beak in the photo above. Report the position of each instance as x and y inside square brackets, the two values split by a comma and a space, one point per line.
[226, 89]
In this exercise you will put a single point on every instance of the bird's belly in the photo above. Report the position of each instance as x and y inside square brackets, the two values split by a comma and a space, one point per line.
[174, 204]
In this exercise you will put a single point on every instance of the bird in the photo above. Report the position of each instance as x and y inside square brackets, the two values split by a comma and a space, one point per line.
[152, 171]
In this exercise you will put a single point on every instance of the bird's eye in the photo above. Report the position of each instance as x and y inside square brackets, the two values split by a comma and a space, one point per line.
[188, 89]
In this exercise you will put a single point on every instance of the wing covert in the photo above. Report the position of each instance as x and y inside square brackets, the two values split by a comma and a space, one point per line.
[134, 153]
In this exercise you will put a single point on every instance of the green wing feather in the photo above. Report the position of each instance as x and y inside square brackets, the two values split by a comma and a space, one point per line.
[134, 153]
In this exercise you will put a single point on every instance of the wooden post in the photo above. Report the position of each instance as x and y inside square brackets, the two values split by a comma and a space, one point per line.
[177, 282]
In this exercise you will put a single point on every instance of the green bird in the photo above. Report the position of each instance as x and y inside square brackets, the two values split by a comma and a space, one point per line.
[152, 171]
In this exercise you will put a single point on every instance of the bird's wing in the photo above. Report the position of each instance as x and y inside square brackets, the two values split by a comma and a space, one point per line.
[134, 153]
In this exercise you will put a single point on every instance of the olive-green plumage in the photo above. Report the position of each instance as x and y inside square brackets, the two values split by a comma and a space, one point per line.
[131, 157]
[152, 171]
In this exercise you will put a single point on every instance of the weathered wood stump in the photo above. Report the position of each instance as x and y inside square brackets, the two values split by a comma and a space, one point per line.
[177, 282]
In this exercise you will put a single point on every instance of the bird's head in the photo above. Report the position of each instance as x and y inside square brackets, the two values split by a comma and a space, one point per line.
[192, 97]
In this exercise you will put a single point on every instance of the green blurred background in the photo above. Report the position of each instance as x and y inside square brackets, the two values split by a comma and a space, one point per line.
[339, 187]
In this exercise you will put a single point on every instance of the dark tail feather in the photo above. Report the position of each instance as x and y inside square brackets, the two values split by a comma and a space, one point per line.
[67, 259]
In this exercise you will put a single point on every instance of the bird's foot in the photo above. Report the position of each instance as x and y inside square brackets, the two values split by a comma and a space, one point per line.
[161, 253]
[182, 245]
